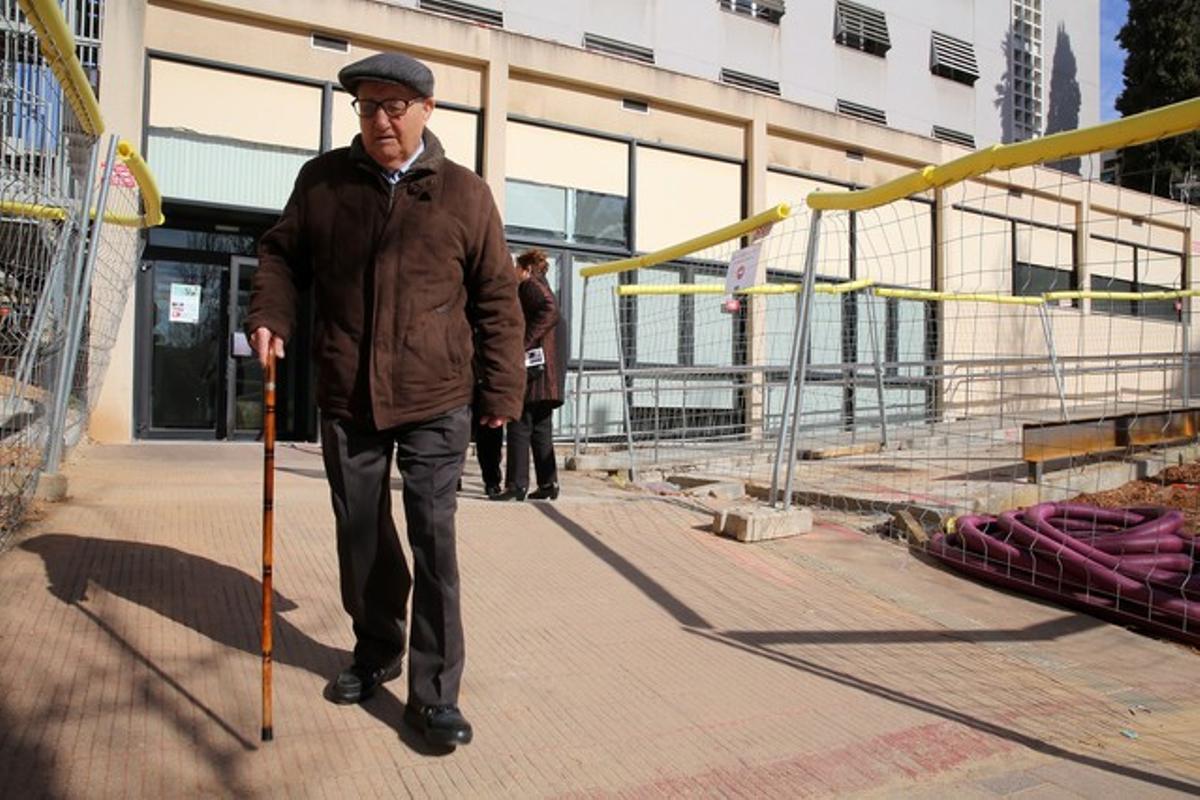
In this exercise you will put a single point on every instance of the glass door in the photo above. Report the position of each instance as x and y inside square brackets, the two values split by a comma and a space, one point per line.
[244, 375]
[204, 382]
[186, 347]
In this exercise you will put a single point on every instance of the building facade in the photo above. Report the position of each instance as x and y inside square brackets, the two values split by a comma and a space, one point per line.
[974, 72]
[605, 128]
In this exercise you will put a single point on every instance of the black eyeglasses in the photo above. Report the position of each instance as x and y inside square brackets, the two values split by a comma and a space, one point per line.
[393, 108]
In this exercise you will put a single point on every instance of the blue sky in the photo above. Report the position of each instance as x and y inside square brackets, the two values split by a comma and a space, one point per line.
[1112, 57]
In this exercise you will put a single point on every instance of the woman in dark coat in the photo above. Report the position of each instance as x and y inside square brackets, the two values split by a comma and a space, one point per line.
[543, 386]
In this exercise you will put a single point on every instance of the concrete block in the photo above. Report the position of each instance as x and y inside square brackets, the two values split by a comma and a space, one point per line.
[597, 462]
[754, 523]
[720, 490]
[690, 480]
[52, 487]
[709, 486]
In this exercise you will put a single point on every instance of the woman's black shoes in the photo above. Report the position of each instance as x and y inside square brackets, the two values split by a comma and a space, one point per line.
[518, 493]
[492, 490]
[547, 492]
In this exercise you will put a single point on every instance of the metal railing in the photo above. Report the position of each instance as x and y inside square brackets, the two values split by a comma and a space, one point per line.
[70, 207]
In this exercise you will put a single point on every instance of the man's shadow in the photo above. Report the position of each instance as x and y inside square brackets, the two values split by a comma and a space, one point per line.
[211, 598]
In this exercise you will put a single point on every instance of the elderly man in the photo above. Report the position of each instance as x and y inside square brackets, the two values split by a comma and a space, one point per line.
[406, 253]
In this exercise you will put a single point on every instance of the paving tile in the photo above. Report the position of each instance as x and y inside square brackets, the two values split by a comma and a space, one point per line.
[614, 650]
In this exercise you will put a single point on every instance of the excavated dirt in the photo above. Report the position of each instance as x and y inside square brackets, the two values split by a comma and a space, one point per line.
[1174, 487]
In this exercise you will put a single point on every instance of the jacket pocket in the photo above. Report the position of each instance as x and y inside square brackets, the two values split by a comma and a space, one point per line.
[435, 348]
[456, 333]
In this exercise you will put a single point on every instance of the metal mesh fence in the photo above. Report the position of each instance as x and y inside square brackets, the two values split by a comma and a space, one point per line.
[68, 242]
[118, 247]
[984, 357]
[44, 163]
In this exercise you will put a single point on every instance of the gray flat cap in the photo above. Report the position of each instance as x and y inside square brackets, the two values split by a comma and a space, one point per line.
[388, 68]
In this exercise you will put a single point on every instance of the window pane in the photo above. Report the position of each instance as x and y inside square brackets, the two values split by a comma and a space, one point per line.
[601, 315]
[1112, 267]
[780, 324]
[1032, 280]
[600, 218]
[657, 320]
[532, 209]
[713, 327]
[1103, 283]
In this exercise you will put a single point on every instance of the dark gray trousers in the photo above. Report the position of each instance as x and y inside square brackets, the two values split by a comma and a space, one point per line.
[535, 427]
[375, 578]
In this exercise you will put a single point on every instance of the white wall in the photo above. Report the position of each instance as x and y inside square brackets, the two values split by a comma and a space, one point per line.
[697, 38]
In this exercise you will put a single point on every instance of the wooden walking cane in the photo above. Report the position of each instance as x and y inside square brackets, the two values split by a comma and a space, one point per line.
[268, 525]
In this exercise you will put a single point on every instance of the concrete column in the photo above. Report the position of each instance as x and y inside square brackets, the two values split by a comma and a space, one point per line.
[942, 236]
[121, 75]
[495, 116]
[756, 150]
[1083, 268]
[1078, 386]
[1188, 306]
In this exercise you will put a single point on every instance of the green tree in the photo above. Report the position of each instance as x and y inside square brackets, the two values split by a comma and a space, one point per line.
[1162, 66]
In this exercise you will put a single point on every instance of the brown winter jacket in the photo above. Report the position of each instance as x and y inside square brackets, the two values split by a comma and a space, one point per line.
[402, 275]
[544, 385]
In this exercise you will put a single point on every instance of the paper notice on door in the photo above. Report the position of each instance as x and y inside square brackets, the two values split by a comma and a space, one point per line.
[241, 345]
[185, 303]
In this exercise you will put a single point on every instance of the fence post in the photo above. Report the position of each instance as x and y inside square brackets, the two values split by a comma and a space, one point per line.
[579, 371]
[810, 280]
[80, 302]
[799, 359]
[626, 384]
[1048, 331]
[1185, 323]
[883, 434]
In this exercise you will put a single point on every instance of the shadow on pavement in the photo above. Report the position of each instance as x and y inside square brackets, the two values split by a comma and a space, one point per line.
[684, 614]
[1057, 628]
[213, 599]
[26, 767]
[754, 643]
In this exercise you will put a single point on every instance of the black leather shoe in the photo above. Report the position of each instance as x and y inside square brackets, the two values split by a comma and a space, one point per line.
[359, 681]
[516, 493]
[547, 492]
[492, 490]
[444, 726]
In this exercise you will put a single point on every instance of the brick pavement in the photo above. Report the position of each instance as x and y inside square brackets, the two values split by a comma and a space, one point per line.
[615, 648]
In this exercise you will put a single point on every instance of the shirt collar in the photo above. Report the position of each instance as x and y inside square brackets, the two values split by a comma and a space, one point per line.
[394, 177]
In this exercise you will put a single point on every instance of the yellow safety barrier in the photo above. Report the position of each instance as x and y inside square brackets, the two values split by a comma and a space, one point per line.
[771, 215]
[951, 297]
[1092, 295]
[31, 210]
[679, 289]
[138, 168]
[672, 289]
[58, 48]
[1159, 123]
[151, 198]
